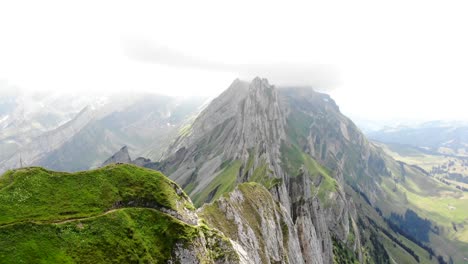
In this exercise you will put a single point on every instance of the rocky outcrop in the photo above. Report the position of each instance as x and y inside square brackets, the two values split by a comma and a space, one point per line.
[120, 156]
[209, 247]
[258, 224]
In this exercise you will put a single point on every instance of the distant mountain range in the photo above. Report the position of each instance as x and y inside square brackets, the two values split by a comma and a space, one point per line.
[87, 130]
[449, 138]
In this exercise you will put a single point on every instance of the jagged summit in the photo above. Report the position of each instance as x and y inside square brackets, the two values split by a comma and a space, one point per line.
[241, 87]
[242, 108]
[259, 82]
[254, 132]
[245, 117]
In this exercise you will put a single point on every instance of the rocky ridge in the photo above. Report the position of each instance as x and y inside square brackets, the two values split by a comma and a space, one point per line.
[248, 139]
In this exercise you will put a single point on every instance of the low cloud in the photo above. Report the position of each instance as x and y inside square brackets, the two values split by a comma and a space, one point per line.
[322, 77]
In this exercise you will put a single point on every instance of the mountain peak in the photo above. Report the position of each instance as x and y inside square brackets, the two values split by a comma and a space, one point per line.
[258, 79]
[258, 82]
[240, 88]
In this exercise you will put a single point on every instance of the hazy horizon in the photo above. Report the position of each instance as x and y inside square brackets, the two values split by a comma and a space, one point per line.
[397, 61]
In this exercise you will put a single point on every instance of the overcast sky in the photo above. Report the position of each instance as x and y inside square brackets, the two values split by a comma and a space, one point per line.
[378, 59]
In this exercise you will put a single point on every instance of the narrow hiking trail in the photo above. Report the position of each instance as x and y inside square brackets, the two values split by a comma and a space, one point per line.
[69, 220]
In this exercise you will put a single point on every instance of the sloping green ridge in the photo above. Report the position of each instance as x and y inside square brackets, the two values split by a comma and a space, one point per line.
[41, 195]
[115, 214]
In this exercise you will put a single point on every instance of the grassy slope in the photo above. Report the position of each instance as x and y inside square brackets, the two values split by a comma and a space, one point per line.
[56, 217]
[224, 182]
[395, 252]
[128, 235]
[41, 195]
[431, 199]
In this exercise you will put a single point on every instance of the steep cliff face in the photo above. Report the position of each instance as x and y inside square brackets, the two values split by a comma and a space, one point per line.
[256, 222]
[320, 130]
[246, 135]
[239, 132]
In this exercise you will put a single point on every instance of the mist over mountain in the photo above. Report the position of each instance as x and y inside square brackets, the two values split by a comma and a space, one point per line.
[88, 129]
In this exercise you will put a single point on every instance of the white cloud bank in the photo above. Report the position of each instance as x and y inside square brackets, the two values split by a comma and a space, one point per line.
[398, 59]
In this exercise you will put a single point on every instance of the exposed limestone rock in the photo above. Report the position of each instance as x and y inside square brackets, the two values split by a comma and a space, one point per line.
[208, 247]
[334, 140]
[250, 216]
[245, 117]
